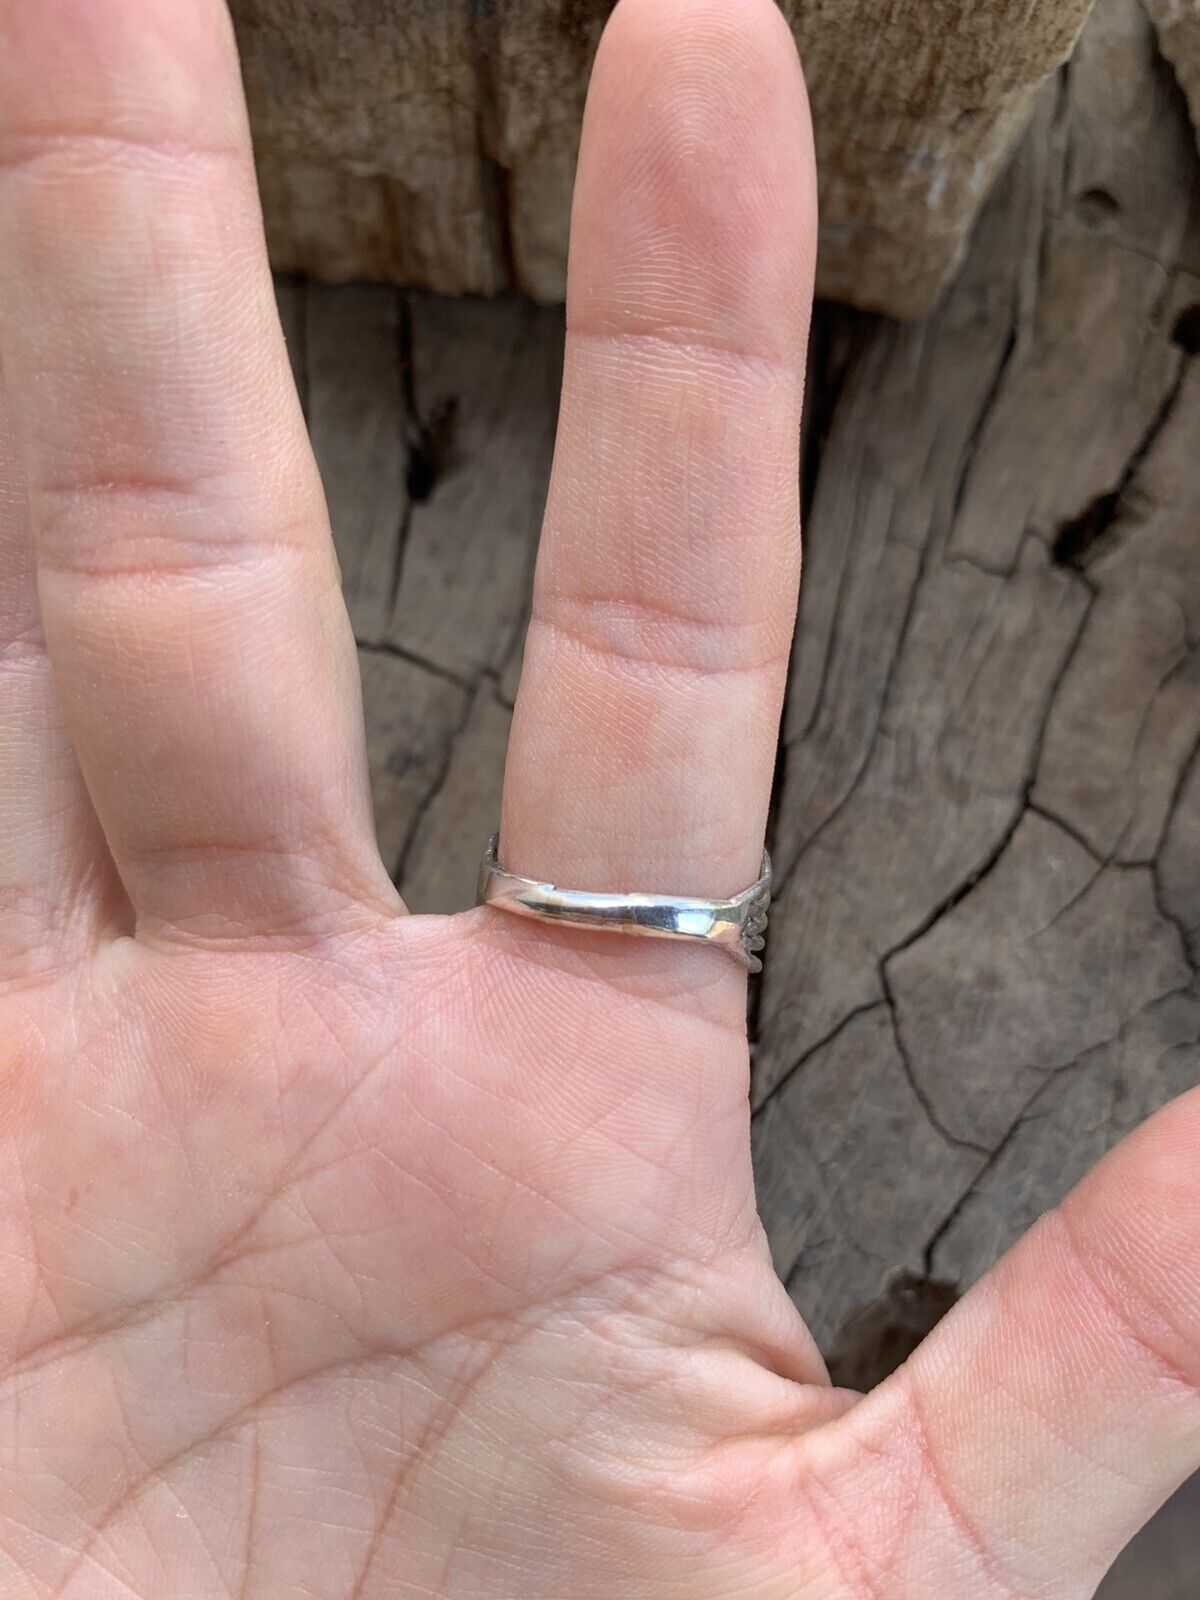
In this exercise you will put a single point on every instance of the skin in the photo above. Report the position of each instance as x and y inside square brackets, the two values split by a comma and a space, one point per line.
[352, 1254]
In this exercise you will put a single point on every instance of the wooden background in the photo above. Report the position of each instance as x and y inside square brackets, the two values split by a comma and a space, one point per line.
[984, 952]
[432, 143]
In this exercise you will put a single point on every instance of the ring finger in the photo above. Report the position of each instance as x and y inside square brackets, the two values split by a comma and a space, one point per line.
[644, 737]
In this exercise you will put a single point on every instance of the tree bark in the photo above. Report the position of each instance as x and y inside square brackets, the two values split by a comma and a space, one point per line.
[434, 145]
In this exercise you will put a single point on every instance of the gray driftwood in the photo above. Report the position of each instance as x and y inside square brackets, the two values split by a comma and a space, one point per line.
[987, 830]
[433, 142]
[983, 965]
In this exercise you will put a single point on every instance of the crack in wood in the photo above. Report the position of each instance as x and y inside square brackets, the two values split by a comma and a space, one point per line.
[1055, 965]
[397, 651]
[400, 869]
[412, 425]
[495, 177]
[1052, 1077]
[813, 838]
[1080, 539]
[815, 1049]
[914, 1081]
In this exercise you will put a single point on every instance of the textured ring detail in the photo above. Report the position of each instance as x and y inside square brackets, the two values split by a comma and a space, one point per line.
[737, 926]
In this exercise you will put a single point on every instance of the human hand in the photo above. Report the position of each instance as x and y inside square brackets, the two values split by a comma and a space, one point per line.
[351, 1254]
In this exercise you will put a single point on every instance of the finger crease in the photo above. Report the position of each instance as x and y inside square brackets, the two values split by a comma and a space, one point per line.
[628, 653]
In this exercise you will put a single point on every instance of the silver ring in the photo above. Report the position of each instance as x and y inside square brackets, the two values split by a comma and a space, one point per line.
[737, 926]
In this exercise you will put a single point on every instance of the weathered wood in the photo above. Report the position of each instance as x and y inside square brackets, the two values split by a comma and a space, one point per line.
[291, 295]
[442, 868]
[413, 718]
[1178, 24]
[993, 704]
[916, 109]
[435, 144]
[485, 380]
[366, 122]
[433, 426]
[982, 968]
[1179, 860]
[1127, 716]
[1081, 1109]
[982, 1010]
[358, 421]
[845, 1215]
[920, 682]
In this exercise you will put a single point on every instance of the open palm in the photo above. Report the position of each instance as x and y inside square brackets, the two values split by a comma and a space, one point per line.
[348, 1254]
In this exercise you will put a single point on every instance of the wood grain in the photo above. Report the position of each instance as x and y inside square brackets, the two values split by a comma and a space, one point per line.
[986, 827]
[434, 144]
[984, 952]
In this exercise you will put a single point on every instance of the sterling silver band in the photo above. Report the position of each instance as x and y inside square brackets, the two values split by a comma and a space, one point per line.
[737, 926]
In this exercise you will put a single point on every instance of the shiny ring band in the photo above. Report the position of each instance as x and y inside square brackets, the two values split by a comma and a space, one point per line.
[736, 926]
